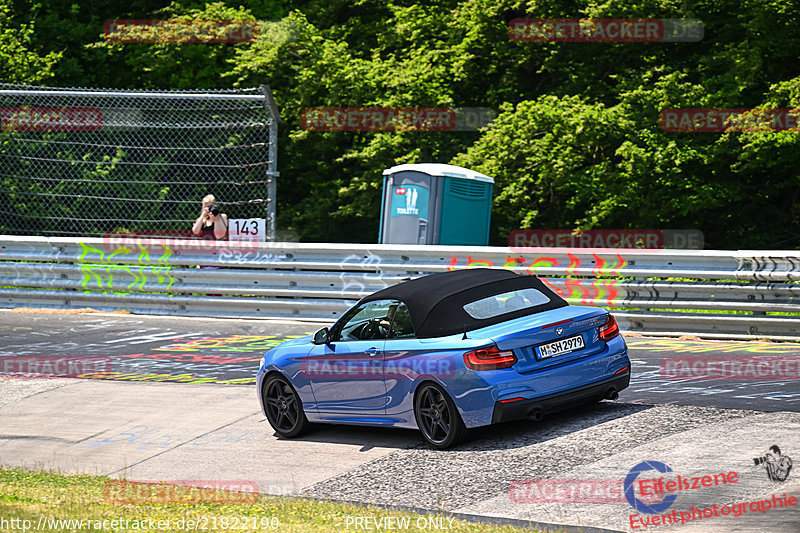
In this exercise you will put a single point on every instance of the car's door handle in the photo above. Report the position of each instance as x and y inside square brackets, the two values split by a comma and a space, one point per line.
[373, 351]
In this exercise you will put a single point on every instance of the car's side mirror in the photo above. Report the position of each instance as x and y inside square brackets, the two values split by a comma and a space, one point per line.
[321, 336]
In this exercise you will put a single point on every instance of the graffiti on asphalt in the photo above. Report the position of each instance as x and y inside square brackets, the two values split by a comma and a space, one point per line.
[172, 378]
[698, 346]
[224, 360]
[649, 381]
[233, 343]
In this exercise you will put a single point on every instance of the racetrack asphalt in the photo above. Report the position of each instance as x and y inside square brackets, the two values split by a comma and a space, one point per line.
[164, 431]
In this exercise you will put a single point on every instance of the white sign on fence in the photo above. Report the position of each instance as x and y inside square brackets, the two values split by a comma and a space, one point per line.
[247, 229]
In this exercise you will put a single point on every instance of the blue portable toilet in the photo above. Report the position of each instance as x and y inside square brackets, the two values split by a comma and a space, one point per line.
[432, 203]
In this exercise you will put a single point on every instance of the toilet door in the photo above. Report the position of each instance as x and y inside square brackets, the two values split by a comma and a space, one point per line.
[409, 202]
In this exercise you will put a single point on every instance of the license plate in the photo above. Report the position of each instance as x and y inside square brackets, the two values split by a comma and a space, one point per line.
[551, 349]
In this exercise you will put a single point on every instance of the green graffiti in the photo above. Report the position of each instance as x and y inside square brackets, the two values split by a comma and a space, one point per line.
[87, 249]
[87, 269]
[120, 250]
[144, 255]
[164, 273]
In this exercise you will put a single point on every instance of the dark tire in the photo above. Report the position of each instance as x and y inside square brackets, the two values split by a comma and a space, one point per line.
[284, 408]
[437, 417]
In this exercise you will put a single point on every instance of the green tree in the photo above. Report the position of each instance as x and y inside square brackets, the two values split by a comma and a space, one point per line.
[20, 61]
[577, 142]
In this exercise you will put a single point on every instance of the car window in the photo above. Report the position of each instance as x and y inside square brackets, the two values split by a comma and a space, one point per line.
[370, 321]
[401, 325]
[507, 302]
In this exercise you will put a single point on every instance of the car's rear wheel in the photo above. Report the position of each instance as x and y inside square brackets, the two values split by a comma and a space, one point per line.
[437, 417]
[284, 408]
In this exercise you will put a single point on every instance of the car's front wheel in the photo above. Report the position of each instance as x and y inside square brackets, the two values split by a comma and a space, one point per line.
[437, 417]
[284, 408]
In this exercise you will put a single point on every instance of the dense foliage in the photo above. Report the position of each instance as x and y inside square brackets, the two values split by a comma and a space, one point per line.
[577, 143]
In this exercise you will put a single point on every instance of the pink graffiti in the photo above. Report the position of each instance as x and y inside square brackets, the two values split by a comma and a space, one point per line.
[547, 262]
[586, 292]
[471, 263]
[191, 358]
[574, 263]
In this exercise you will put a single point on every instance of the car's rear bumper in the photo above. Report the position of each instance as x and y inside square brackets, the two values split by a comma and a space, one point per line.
[535, 407]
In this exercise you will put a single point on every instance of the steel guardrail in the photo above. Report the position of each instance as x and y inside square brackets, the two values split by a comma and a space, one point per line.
[713, 293]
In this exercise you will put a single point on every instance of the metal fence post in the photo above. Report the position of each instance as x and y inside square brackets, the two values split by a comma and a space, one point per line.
[272, 163]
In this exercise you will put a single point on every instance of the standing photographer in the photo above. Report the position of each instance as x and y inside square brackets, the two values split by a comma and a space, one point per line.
[212, 223]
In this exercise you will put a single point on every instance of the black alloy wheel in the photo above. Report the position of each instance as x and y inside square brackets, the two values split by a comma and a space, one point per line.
[284, 409]
[437, 417]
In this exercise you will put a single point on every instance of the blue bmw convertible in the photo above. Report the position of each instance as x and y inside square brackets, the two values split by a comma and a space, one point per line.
[444, 353]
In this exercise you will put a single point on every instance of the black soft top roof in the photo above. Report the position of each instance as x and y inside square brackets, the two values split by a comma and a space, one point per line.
[436, 302]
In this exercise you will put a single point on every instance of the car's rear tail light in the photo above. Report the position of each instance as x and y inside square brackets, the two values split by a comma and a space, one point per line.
[622, 370]
[610, 329]
[489, 358]
[509, 400]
